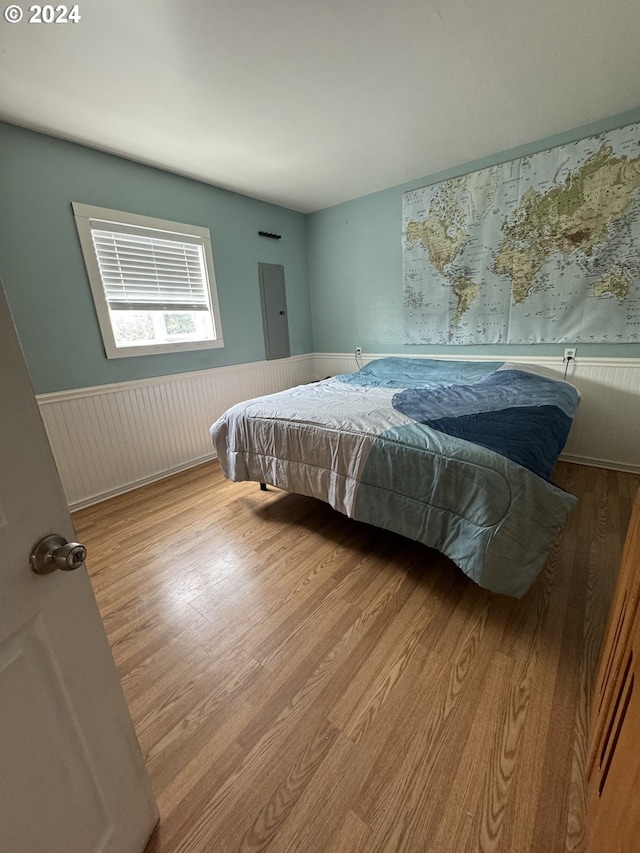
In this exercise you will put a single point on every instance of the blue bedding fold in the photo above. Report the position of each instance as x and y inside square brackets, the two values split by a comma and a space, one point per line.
[521, 415]
[394, 372]
[532, 437]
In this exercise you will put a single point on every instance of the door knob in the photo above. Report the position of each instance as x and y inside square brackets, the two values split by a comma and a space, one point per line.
[54, 552]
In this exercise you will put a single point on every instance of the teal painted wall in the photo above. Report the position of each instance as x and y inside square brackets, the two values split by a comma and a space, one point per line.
[45, 279]
[355, 264]
[343, 265]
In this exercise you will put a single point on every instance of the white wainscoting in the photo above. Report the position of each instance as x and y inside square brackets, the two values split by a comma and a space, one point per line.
[606, 430]
[112, 438]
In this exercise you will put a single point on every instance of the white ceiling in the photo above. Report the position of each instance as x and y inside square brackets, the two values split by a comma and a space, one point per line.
[307, 103]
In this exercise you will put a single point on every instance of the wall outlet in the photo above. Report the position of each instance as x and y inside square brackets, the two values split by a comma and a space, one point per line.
[358, 352]
[569, 354]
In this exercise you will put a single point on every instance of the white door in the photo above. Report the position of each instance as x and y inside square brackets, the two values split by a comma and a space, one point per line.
[72, 775]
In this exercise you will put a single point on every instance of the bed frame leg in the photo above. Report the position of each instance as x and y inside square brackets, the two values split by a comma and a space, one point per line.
[263, 487]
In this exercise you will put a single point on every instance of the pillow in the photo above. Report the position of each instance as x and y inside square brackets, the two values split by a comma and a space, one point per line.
[393, 372]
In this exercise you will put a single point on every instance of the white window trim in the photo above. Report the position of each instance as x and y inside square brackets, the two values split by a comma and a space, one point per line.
[83, 214]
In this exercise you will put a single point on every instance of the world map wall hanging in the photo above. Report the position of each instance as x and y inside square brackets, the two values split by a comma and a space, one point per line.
[537, 250]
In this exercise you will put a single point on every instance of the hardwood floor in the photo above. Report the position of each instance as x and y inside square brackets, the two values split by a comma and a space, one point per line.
[303, 682]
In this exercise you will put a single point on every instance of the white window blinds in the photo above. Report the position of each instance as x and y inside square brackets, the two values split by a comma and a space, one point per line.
[143, 271]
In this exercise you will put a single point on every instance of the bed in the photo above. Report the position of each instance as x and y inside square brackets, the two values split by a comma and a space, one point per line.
[457, 455]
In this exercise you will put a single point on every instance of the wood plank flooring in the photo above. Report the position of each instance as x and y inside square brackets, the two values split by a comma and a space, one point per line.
[302, 682]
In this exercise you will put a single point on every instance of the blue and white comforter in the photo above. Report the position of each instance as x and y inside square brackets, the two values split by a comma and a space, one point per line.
[456, 455]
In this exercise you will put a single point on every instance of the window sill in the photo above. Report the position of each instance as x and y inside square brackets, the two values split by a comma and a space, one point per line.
[159, 349]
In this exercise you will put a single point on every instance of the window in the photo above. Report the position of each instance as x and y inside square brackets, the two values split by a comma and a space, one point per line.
[152, 281]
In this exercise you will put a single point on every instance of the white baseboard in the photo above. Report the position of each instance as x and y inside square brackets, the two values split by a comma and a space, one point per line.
[597, 463]
[144, 481]
[109, 439]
